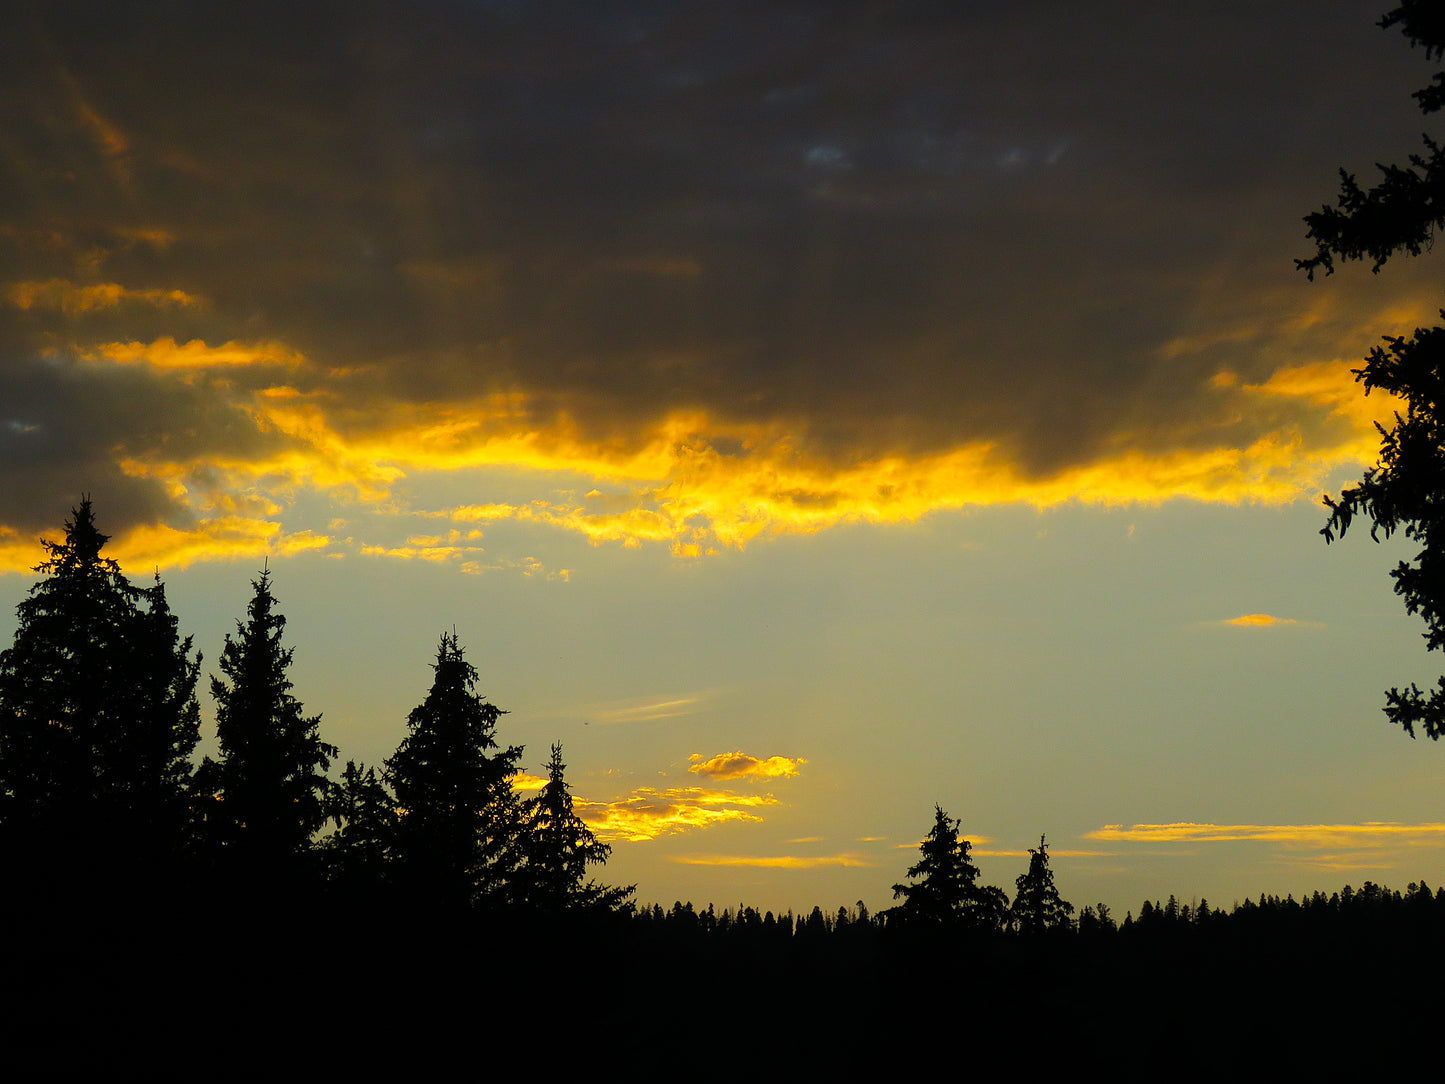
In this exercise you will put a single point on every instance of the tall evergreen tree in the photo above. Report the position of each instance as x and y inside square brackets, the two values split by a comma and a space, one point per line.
[270, 783]
[947, 892]
[458, 817]
[1037, 905]
[558, 847]
[98, 715]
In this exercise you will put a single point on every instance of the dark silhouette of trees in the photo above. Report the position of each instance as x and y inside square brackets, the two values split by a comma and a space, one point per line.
[98, 713]
[269, 786]
[557, 849]
[947, 892]
[458, 819]
[357, 854]
[1406, 490]
[1037, 905]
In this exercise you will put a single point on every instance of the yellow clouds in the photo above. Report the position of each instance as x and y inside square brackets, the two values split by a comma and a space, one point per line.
[1369, 834]
[739, 765]
[1371, 845]
[648, 813]
[64, 296]
[209, 540]
[781, 861]
[693, 480]
[1260, 621]
[166, 353]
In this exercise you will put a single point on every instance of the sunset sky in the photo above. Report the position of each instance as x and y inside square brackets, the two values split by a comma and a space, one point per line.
[805, 412]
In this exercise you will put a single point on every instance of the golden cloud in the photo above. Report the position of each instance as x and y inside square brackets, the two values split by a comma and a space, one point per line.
[781, 861]
[697, 482]
[1371, 834]
[739, 765]
[648, 813]
[526, 783]
[1259, 621]
[166, 353]
[72, 300]
[222, 538]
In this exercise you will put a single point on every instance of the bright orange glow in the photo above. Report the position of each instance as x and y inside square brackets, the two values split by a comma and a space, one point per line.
[166, 353]
[780, 861]
[73, 300]
[669, 484]
[1260, 621]
[648, 813]
[739, 765]
[1369, 834]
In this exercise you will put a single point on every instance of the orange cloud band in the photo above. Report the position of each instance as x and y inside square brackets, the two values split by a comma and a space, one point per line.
[648, 813]
[739, 765]
[780, 861]
[1371, 834]
[670, 484]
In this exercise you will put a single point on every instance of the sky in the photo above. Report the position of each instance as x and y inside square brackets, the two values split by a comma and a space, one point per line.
[805, 413]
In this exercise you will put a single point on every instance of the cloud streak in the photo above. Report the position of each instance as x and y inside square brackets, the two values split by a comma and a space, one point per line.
[1371, 834]
[740, 765]
[781, 861]
[648, 812]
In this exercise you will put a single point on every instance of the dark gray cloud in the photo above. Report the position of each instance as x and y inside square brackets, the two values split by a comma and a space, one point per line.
[901, 226]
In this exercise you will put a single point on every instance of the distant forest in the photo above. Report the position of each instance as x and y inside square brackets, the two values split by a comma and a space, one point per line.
[170, 918]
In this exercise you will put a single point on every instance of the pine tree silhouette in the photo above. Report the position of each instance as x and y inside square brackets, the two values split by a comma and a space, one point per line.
[458, 817]
[1037, 905]
[98, 714]
[558, 847]
[269, 786]
[947, 892]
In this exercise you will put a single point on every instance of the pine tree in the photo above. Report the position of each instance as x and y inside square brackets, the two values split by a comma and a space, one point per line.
[357, 854]
[1037, 906]
[270, 784]
[558, 847]
[458, 817]
[948, 892]
[98, 716]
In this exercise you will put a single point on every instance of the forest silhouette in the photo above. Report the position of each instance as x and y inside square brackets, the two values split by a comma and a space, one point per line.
[177, 919]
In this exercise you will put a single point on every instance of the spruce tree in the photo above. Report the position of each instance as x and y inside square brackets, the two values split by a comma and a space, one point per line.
[269, 788]
[947, 892]
[1037, 905]
[98, 715]
[457, 815]
[558, 847]
[357, 854]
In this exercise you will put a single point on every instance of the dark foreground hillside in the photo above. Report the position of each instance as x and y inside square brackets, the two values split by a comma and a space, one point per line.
[200, 989]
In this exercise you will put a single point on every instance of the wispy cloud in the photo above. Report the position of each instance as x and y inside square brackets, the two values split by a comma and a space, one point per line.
[777, 861]
[646, 710]
[1262, 621]
[1370, 834]
[64, 296]
[740, 765]
[648, 812]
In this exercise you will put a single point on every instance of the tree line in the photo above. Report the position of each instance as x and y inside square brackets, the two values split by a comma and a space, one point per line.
[99, 725]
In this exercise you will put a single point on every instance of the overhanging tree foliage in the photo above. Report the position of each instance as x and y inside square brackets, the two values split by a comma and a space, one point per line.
[458, 818]
[1406, 490]
[947, 892]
